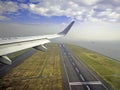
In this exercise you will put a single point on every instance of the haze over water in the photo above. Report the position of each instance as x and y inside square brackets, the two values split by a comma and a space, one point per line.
[110, 49]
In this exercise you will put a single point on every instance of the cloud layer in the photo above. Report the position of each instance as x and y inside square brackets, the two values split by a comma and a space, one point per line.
[82, 10]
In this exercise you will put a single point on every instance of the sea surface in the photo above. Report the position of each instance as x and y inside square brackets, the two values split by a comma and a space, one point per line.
[110, 49]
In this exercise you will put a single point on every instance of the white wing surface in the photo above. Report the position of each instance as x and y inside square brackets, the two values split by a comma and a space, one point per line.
[14, 44]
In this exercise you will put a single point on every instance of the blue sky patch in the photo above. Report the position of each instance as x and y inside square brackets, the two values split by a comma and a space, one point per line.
[37, 11]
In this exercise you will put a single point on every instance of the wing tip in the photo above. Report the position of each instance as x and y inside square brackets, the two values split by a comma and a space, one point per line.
[66, 30]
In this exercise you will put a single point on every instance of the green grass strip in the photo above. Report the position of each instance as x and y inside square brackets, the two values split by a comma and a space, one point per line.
[105, 67]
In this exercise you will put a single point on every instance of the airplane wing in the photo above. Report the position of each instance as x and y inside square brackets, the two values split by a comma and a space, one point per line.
[14, 44]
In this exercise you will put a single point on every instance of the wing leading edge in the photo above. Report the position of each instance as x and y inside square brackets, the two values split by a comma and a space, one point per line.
[10, 45]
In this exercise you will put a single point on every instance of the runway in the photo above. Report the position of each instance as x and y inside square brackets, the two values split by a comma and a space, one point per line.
[76, 75]
[4, 69]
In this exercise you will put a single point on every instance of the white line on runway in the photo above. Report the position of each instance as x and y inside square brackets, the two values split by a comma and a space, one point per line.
[88, 87]
[86, 83]
[73, 63]
[91, 72]
[67, 75]
[82, 77]
[77, 69]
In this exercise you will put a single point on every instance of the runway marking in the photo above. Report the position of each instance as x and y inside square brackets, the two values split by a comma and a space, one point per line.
[86, 83]
[73, 63]
[67, 75]
[82, 77]
[77, 69]
[88, 87]
[76, 58]
[91, 72]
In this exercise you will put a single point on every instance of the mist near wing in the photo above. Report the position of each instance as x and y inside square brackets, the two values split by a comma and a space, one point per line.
[100, 37]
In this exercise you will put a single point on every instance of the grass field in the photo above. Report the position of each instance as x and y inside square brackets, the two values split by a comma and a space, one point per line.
[41, 71]
[17, 54]
[108, 69]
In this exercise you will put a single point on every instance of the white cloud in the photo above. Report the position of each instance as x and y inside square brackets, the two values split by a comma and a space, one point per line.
[33, 1]
[90, 2]
[8, 6]
[25, 6]
[3, 18]
[91, 10]
[52, 8]
[118, 1]
[109, 15]
[75, 9]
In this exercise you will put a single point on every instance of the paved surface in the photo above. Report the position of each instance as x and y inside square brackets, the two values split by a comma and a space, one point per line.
[76, 75]
[4, 69]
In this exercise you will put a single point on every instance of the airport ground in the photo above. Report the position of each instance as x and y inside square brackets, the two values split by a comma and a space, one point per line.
[105, 67]
[45, 71]
[41, 71]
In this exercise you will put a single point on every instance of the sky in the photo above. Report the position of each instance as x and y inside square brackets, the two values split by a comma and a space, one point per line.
[95, 20]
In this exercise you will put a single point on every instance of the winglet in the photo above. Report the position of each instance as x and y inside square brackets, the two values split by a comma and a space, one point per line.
[65, 31]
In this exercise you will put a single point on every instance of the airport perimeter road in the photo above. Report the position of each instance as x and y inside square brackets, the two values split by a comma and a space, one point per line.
[6, 68]
[76, 75]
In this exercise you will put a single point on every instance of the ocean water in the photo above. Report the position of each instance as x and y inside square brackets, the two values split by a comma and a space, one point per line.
[110, 49]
